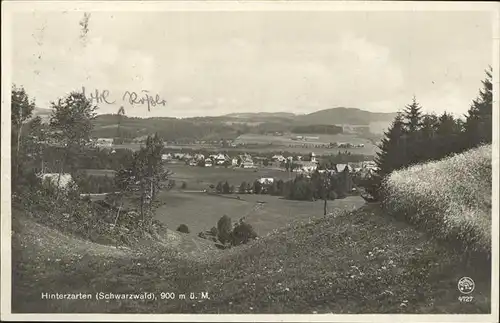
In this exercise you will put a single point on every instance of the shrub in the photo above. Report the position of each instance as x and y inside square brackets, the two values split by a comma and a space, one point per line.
[242, 188]
[184, 185]
[224, 229]
[214, 231]
[450, 198]
[242, 233]
[183, 228]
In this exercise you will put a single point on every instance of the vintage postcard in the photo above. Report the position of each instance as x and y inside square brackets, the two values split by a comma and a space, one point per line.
[297, 161]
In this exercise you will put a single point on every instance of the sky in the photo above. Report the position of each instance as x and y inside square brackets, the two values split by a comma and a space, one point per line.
[214, 63]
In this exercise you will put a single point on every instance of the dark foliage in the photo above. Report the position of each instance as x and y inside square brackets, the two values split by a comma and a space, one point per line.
[242, 233]
[318, 129]
[183, 228]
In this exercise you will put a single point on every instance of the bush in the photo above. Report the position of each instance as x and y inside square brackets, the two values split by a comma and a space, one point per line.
[184, 185]
[224, 229]
[183, 228]
[450, 198]
[243, 233]
[214, 231]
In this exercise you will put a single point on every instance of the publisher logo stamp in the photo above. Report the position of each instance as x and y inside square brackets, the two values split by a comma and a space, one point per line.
[466, 285]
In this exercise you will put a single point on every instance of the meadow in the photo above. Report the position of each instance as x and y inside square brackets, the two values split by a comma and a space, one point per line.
[201, 211]
[200, 178]
[287, 139]
[255, 143]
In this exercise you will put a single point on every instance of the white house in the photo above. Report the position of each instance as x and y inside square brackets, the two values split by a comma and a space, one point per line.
[278, 158]
[53, 178]
[220, 159]
[208, 162]
[246, 161]
[248, 164]
[341, 167]
[312, 156]
[104, 142]
[305, 167]
[266, 180]
[166, 157]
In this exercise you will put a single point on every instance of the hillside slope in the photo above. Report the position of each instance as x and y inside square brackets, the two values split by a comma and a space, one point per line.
[451, 198]
[350, 262]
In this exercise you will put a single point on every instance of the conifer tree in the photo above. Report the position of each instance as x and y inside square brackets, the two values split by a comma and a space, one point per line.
[478, 125]
[413, 117]
[429, 128]
[392, 153]
[413, 124]
[448, 135]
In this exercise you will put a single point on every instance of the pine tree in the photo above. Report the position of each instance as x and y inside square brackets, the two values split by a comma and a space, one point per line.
[391, 155]
[226, 188]
[413, 117]
[427, 138]
[429, 128]
[224, 229]
[448, 134]
[478, 124]
[412, 125]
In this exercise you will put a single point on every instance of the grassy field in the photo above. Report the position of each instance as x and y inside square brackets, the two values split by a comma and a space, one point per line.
[286, 140]
[450, 198]
[350, 262]
[199, 178]
[200, 211]
[281, 143]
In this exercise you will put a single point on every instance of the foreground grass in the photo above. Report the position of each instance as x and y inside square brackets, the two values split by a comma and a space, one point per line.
[351, 262]
[450, 198]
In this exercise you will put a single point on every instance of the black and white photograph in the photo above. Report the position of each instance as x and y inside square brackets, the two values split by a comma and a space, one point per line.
[259, 159]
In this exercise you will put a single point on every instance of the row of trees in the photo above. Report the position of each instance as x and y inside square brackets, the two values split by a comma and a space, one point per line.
[319, 186]
[415, 137]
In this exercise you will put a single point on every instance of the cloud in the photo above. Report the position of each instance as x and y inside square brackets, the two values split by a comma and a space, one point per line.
[263, 62]
[184, 100]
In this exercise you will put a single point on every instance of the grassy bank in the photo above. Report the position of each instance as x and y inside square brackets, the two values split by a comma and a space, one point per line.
[450, 198]
[351, 262]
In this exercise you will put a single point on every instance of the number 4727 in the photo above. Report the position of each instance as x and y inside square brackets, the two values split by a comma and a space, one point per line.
[466, 299]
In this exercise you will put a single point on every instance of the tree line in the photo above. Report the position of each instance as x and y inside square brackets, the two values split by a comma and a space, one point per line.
[325, 186]
[416, 137]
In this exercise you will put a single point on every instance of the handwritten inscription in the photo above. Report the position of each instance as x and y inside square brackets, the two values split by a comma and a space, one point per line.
[132, 98]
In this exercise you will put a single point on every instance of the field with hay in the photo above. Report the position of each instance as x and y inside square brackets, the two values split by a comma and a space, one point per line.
[450, 198]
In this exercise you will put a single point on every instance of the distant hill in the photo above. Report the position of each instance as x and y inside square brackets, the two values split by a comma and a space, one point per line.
[341, 115]
[261, 115]
[231, 125]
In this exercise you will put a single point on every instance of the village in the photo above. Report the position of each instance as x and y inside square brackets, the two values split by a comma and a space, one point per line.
[304, 164]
